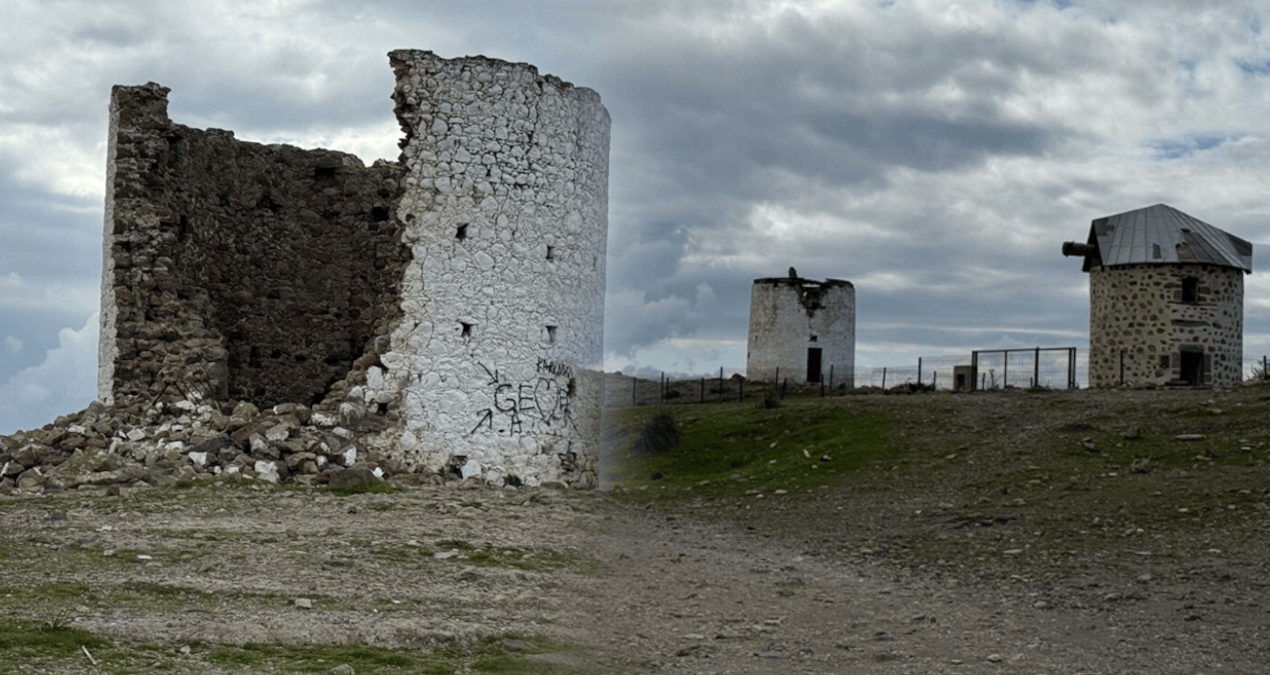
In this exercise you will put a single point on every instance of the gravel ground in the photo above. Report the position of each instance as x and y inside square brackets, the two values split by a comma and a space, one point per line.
[963, 565]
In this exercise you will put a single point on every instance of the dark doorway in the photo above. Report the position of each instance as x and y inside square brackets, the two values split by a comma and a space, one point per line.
[813, 364]
[1192, 367]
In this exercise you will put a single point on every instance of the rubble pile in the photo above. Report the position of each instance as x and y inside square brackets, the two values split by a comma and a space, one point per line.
[108, 448]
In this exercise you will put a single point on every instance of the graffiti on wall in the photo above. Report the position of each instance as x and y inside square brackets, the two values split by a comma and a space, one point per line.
[539, 405]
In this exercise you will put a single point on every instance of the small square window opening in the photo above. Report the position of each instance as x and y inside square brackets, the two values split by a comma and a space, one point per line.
[1190, 289]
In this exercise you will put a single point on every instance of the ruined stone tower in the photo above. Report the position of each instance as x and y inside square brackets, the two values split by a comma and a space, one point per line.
[1165, 299]
[446, 309]
[804, 328]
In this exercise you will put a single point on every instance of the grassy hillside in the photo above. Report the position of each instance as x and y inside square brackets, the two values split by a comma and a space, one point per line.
[1040, 484]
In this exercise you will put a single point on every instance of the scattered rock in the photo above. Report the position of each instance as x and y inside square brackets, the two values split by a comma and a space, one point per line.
[353, 478]
[304, 603]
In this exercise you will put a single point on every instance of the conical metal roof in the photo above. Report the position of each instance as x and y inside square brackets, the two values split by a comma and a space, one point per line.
[1161, 234]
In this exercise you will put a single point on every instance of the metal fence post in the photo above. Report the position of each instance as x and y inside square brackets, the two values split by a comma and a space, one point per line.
[720, 384]
[703, 388]
[634, 387]
[831, 377]
[974, 368]
[883, 378]
[1036, 368]
[919, 372]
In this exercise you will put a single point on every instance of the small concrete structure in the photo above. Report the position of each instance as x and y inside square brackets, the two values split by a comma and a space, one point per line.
[965, 378]
[802, 328]
[1165, 299]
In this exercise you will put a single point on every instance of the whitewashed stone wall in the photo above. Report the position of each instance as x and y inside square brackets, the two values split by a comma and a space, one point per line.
[107, 347]
[495, 364]
[1139, 310]
[789, 316]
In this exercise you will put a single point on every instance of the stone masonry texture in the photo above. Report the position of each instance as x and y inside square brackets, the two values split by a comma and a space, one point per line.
[238, 270]
[790, 316]
[443, 312]
[1139, 311]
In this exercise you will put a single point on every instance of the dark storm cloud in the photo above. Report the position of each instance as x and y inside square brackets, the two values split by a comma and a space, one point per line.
[935, 154]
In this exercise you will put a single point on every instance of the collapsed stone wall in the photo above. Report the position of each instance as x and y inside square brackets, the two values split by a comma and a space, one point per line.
[235, 270]
[1140, 310]
[790, 316]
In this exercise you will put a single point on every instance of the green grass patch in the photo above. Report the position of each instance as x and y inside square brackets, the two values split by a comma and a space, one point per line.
[40, 646]
[21, 639]
[488, 656]
[729, 449]
[378, 487]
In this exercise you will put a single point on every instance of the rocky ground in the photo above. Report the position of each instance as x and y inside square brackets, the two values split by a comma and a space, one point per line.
[1002, 532]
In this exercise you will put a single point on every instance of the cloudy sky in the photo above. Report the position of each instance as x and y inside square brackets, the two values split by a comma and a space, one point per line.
[935, 153]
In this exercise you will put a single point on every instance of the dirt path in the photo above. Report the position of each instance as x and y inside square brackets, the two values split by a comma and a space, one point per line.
[613, 587]
[693, 598]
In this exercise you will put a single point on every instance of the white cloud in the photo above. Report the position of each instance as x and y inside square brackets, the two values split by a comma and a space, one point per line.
[12, 344]
[18, 293]
[64, 382]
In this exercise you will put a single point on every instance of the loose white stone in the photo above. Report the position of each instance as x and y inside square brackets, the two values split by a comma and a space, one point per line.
[277, 432]
[258, 443]
[267, 470]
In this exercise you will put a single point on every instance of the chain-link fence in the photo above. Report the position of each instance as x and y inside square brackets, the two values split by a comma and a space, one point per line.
[1046, 367]
[1052, 368]
[937, 372]
[1049, 368]
[621, 390]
